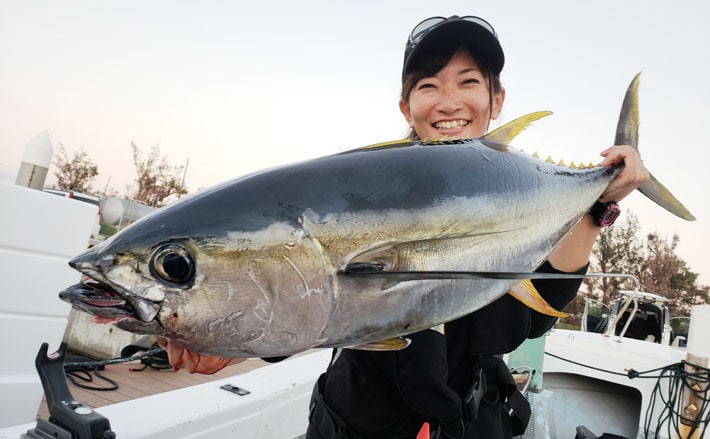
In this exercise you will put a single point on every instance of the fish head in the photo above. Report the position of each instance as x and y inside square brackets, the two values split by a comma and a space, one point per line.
[234, 294]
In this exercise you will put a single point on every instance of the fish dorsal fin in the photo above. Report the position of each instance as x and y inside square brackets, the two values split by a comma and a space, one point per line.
[505, 134]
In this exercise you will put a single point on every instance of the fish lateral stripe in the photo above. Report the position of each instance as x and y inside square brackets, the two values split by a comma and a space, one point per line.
[441, 228]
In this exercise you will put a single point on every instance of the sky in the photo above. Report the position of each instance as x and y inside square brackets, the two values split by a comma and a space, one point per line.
[229, 87]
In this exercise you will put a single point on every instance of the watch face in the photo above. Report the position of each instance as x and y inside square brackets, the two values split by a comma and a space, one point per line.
[610, 214]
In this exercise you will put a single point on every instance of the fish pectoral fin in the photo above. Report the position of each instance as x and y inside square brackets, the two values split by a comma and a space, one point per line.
[363, 267]
[526, 293]
[505, 134]
[390, 344]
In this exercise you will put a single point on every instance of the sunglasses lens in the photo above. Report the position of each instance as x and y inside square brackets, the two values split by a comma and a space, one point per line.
[481, 22]
[425, 26]
[422, 28]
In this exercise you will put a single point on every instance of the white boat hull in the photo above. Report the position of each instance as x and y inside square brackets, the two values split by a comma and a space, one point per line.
[599, 395]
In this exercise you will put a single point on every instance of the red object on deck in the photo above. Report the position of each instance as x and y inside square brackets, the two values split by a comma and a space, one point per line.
[424, 431]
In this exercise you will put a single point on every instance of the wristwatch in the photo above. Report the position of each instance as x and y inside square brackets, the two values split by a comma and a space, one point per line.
[604, 214]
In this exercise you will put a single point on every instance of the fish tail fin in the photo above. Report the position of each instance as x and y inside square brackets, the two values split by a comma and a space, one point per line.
[627, 133]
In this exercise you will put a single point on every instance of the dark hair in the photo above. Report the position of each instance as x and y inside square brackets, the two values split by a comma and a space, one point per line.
[429, 64]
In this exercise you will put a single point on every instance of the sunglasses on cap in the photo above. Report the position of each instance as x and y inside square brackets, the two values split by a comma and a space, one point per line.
[423, 28]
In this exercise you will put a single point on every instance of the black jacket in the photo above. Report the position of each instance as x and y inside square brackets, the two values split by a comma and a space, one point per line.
[390, 394]
[503, 325]
[497, 329]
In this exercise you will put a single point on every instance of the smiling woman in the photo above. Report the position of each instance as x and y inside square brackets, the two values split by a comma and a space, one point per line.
[451, 89]
[451, 78]
[454, 103]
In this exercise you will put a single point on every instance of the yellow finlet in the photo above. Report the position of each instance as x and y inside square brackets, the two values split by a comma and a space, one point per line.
[526, 293]
[505, 134]
[390, 344]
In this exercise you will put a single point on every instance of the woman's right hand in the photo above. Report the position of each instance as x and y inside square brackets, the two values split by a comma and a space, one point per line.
[630, 178]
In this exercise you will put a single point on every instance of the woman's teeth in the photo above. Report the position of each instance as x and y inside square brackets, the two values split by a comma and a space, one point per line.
[450, 124]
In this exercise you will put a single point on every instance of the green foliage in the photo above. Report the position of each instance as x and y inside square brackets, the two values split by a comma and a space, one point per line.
[76, 172]
[157, 179]
[107, 229]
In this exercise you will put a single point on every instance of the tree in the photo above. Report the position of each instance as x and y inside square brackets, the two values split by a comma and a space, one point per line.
[157, 179]
[617, 250]
[653, 261]
[664, 273]
[76, 172]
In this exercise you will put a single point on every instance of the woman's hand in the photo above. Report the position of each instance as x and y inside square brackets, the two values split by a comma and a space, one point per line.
[631, 177]
[573, 251]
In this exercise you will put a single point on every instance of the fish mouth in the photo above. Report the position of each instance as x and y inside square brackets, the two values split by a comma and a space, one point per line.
[108, 305]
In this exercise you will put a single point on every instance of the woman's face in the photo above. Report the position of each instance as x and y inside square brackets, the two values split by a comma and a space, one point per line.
[454, 103]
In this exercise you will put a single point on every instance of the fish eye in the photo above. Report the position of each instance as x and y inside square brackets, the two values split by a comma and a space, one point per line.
[173, 263]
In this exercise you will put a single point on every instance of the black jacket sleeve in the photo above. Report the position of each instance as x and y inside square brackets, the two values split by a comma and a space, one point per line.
[503, 325]
[557, 292]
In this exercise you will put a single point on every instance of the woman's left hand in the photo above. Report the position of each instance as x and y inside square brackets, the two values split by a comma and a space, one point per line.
[573, 251]
[630, 178]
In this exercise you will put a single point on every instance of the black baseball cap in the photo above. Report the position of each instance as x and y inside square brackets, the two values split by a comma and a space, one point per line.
[468, 30]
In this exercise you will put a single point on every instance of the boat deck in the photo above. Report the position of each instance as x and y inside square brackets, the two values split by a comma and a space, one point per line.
[134, 384]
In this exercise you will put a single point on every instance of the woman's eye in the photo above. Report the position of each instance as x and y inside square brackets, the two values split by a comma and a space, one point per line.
[471, 81]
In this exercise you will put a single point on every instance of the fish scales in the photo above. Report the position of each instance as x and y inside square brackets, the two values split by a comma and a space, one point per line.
[267, 247]
[254, 266]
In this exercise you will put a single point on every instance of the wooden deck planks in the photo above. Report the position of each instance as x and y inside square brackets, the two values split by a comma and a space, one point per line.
[134, 384]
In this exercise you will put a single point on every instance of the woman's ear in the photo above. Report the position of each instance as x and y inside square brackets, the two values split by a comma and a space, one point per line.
[406, 112]
[497, 104]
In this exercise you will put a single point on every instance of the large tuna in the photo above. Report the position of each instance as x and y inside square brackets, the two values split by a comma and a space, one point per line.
[267, 265]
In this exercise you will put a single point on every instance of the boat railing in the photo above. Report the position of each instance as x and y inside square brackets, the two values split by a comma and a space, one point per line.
[610, 330]
[632, 297]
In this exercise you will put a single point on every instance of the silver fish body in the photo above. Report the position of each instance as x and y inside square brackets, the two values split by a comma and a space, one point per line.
[253, 267]
[262, 253]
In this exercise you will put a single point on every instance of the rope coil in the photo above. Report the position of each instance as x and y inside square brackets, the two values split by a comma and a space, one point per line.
[77, 371]
[669, 397]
